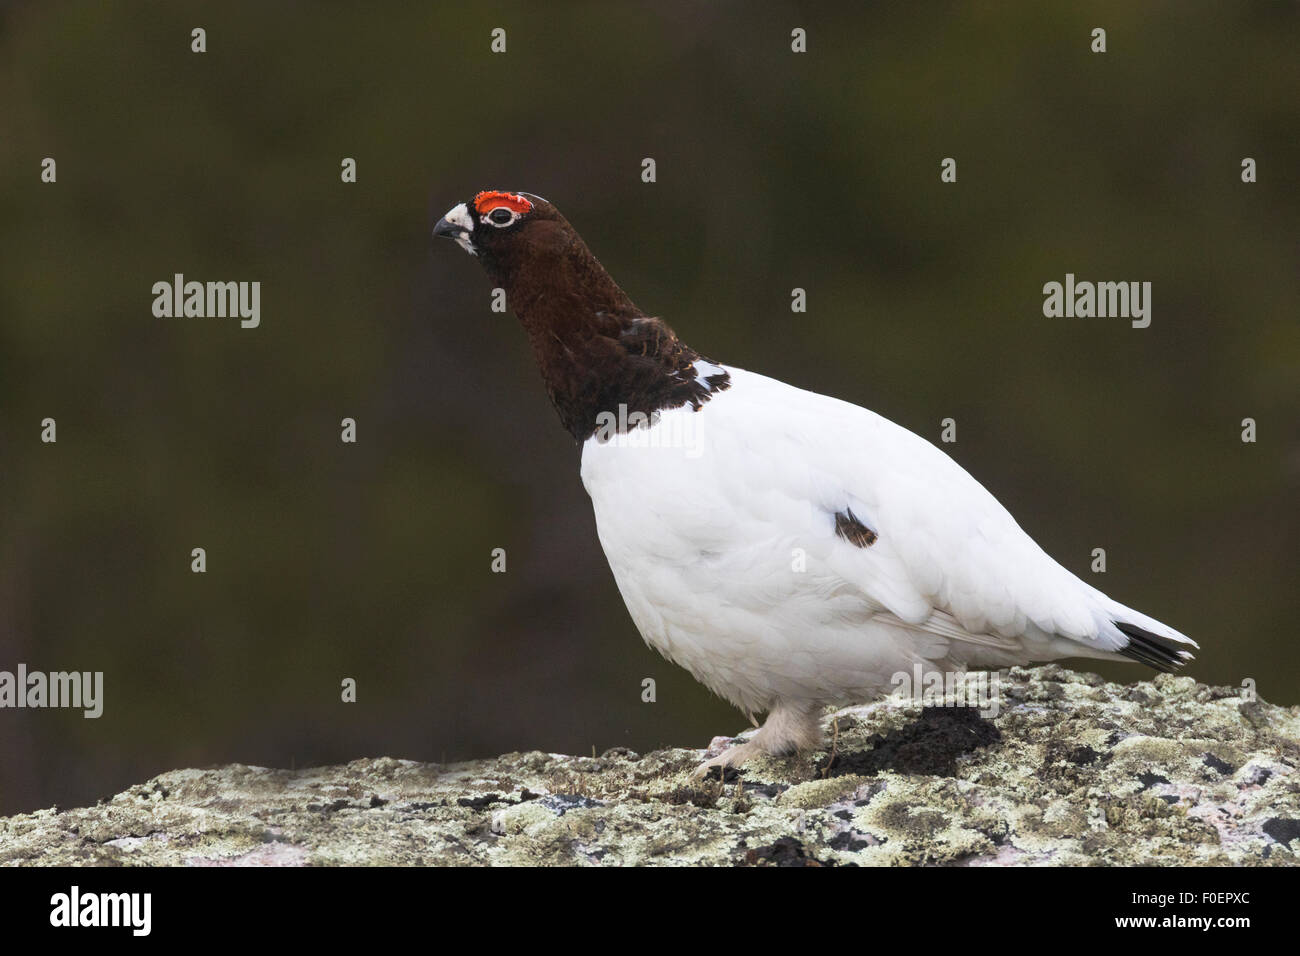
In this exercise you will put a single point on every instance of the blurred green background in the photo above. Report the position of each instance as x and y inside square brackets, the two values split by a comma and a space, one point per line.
[775, 170]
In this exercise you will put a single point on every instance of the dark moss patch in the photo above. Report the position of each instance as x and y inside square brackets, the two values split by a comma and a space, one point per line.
[1220, 766]
[1282, 830]
[695, 796]
[1082, 756]
[850, 841]
[479, 803]
[1149, 780]
[930, 744]
[787, 851]
[483, 801]
[562, 803]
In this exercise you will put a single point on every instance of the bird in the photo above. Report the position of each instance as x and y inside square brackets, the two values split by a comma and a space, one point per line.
[790, 550]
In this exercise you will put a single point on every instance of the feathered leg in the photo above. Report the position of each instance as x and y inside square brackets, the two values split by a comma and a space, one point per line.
[789, 728]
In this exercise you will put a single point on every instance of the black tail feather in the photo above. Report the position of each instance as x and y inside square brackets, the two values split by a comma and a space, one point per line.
[1153, 650]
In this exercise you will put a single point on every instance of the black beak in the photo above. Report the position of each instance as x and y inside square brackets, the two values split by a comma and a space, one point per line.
[444, 228]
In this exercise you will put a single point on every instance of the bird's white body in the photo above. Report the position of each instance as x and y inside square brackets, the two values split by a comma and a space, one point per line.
[719, 526]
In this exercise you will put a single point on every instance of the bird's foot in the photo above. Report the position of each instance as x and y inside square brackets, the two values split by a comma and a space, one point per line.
[733, 756]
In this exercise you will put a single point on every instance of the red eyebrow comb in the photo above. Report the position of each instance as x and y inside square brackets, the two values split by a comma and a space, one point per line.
[488, 200]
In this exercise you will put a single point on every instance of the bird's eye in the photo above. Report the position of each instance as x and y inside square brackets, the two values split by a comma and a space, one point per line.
[501, 216]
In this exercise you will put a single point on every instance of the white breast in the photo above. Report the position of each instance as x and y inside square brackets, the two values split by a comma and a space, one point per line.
[719, 527]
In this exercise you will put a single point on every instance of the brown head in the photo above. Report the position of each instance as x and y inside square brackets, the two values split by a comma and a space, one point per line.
[596, 350]
[527, 247]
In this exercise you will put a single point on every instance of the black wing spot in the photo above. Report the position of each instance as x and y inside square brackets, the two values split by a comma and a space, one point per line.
[852, 530]
[1152, 649]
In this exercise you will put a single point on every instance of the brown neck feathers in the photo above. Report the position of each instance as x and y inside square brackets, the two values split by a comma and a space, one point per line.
[597, 352]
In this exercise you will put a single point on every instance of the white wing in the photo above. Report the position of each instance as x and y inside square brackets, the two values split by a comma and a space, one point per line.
[948, 557]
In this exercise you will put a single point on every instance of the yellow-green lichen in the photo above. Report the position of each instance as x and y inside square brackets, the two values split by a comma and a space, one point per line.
[1072, 771]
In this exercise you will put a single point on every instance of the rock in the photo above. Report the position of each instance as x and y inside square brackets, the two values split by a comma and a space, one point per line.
[1072, 770]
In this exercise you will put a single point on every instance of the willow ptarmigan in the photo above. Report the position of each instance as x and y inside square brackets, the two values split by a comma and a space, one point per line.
[788, 549]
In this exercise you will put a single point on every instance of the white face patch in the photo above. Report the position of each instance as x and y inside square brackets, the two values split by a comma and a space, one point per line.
[459, 216]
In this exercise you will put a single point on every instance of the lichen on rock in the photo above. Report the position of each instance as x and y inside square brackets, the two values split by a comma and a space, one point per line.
[1072, 770]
